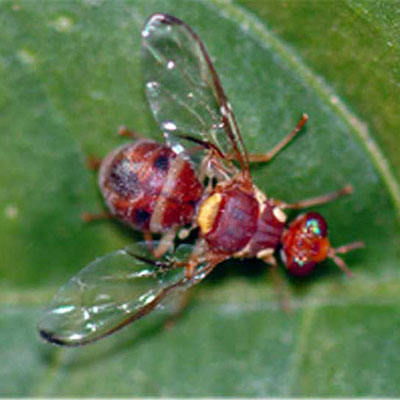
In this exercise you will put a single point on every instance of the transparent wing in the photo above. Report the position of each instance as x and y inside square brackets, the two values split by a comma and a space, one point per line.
[185, 93]
[112, 292]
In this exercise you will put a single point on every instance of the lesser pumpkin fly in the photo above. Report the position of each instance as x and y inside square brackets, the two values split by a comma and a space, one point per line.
[201, 178]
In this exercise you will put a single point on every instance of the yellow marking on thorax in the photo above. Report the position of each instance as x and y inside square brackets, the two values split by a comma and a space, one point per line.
[208, 211]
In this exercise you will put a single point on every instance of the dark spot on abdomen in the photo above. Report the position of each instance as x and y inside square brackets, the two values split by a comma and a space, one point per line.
[161, 162]
[141, 217]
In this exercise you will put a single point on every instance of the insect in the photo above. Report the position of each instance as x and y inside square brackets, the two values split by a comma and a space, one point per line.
[200, 178]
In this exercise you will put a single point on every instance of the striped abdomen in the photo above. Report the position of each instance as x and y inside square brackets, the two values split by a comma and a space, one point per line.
[147, 186]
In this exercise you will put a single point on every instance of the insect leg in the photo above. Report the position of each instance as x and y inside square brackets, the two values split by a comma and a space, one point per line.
[272, 153]
[281, 289]
[219, 170]
[166, 242]
[89, 217]
[201, 261]
[148, 238]
[195, 258]
[326, 198]
[185, 232]
[93, 163]
[124, 131]
[205, 170]
[182, 304]
[342, 250]
[349, 247]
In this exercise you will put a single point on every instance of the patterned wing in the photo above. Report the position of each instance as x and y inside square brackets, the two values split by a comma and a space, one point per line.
[112, 292]
[185, 93]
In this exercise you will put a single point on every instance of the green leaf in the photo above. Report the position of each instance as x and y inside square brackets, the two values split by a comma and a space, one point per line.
[70, 75]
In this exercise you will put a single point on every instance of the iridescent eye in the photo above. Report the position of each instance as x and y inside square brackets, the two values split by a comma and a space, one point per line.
[315, 223]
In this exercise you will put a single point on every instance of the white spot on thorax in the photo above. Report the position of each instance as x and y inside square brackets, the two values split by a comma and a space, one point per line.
[244, 252]
[261, 199]
[279, 214]
[265, 253]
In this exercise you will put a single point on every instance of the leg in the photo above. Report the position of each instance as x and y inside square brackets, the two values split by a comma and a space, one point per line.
[93, 163]
[212, 168]
[124, 131]
[281, 289]
[196, 257]
[179, 308]
[332, 253]
[327, 198]
[349, 247]
[162, 245]
[148, 238]
[185, 232]
[201, 257]
[272, 153]
[90, 217]
[190, 267]
[166, 241]
[280, 286]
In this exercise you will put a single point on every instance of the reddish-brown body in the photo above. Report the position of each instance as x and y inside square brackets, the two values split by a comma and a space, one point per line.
[241, 222]
[147, 186]
[235, 221]
[151, 188]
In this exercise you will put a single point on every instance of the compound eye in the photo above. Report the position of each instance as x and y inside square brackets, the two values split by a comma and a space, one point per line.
[295, 264]
[315, 224]
[299, 268]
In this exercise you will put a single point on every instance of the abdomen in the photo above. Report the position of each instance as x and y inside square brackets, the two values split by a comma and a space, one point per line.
[147, 186]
